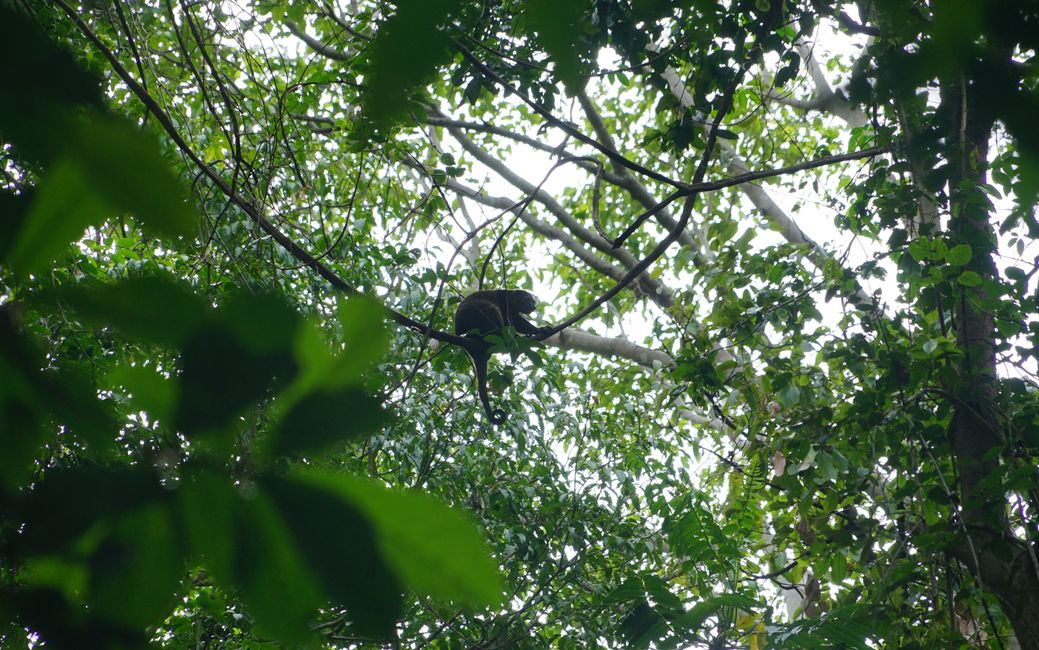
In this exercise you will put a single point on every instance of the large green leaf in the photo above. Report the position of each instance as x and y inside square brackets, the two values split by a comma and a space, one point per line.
[557, 24]
[151, 308]
[338, 544]
[323, 418]
[220, 376]
[404, 55]
[433, 549]
[105, 169]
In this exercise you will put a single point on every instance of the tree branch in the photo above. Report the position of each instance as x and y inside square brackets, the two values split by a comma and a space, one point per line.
[566, 127]
[318, 46]
[581, 232]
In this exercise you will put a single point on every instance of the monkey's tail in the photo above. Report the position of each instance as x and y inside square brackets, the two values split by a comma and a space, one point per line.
[496, 416]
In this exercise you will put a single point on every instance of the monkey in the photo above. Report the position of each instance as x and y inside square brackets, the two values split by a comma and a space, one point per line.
[488, 312]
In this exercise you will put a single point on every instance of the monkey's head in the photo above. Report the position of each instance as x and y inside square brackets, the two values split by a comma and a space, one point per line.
[521, 301]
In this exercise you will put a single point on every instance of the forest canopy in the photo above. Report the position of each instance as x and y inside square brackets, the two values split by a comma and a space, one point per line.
[778, 390]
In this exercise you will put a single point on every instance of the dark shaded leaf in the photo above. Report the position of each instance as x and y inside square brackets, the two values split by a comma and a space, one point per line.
[45, 82]
[270, 571]
[34, 403]
[557, 24]
[136, 568]
[66, 504]
[63, 624]
[151, 308]
[339, 547]
[321, 419]
[220, 376]
[642, 625]
[263, 323]
[14, 208]
[433, 549]
[405, 54]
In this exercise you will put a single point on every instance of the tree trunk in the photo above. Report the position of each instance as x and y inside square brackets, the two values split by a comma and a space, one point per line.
[1001, 563]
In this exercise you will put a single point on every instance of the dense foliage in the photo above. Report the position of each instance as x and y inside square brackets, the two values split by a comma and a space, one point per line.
[785, 249]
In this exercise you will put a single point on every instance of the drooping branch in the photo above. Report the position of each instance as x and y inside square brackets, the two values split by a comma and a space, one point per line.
[760, 197]
[672, 236]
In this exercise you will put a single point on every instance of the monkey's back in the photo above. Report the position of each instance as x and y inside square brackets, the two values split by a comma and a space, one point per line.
[479, 314]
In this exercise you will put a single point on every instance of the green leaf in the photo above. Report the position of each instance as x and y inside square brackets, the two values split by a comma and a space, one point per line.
[642, 625]
[107, 167]
[232, 363]
[958, 255]
[241, 536]
[67, 504]
[115, 535]
[264, 323]
[136, 569]
[432, 549]
[152, 308]
[920, 248]
[220, 376]
[364, 331]
[339, 547]
[405, 54]
[789, 396]
[969, 279]
[65, 205]
[269, 570]
[207, 500]
[557, 26]
[45, 86]
[322, 419]
[150, 391]
[124, 166]
[694, 619]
